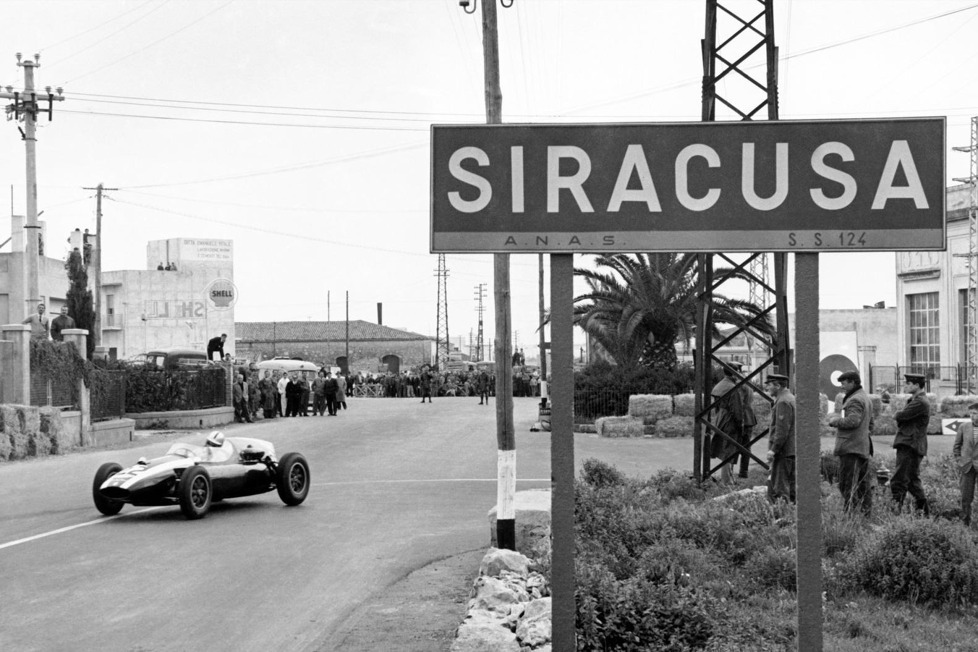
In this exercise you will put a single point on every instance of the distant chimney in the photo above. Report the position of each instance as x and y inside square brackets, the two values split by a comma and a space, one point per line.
[380, 314]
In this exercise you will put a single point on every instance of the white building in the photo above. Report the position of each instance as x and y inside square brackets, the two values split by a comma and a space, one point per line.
[148, 309]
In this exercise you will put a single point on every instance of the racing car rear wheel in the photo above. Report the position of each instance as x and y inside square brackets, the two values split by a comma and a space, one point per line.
[107, 506]
[195, 492]
[292, 478]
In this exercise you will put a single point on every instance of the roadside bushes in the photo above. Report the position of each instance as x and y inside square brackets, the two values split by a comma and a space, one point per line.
[934, 563]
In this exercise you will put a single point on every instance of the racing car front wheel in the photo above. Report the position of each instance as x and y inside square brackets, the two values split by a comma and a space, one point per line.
[292, 478]
[195, 492]
[107, 506]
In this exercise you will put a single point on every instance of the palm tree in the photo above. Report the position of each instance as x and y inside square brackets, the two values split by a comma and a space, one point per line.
[639, 305]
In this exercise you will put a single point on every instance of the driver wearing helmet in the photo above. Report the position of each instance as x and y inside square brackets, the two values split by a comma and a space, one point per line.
[217, 448]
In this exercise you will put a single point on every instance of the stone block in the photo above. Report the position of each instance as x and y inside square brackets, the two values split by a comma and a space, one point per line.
[627, 426]
[649, 407]
[497, 560]
[484, 637]
[675, 427]
[53, 426]
[684, 405]
[535, 626]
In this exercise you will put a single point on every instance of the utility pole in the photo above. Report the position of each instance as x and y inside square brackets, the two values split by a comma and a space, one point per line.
[25, 108]
[543, 339]
[347, 351]
[480, 294]
[505, 431]
[97, 263]
[971, 341]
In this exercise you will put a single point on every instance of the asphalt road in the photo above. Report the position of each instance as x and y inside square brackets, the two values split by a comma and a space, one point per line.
[395, 486]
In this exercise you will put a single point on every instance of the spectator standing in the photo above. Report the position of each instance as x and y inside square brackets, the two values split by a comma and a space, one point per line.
[216, 344]
[332, 387]
[319, 394]
[60, 323]
[482, 387]
[283, 385]
[304, 392]
[966, 454]
[853, 445]
[269, 392]
[238, 393]
[340, 391]
[750, 420]
[39, 323]
[425, 383]
[293, 391]
[728, 417]
[911, 445]
[781, 439]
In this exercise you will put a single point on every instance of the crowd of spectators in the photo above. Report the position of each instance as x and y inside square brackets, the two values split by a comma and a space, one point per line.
[407, 384]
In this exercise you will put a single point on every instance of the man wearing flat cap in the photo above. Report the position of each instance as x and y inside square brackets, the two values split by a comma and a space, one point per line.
[781, 439]
[911, 444]
[853, 446]
[966, 454]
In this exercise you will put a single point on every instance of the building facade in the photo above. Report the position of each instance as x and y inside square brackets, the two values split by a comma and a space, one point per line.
[932, 300]
[372, 348]
[184, 297]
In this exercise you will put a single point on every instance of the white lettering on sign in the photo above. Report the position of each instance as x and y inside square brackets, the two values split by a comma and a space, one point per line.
[634, 162]
[900, 156]
[463, 175]
[574, 183]
[822, 169]
[682, 177]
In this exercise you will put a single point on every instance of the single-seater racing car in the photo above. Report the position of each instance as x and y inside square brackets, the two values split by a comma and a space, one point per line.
[195, 476]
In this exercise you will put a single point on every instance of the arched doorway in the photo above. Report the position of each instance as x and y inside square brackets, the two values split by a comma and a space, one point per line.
[393, 363]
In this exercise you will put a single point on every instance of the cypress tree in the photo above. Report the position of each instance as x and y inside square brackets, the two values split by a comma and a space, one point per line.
[81, 307]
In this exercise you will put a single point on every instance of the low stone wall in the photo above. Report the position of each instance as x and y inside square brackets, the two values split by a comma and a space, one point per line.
[662, 416]
[183, 419]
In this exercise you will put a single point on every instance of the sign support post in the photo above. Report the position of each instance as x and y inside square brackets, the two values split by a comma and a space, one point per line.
[562, 449]
[807, 478]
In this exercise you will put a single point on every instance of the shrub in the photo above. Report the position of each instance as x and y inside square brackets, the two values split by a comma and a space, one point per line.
[639, 615]
[600, 474]
[672, 485]
[772, 568]
[933, 563]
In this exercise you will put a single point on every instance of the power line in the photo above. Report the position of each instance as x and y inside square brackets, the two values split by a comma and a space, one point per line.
[250, 123]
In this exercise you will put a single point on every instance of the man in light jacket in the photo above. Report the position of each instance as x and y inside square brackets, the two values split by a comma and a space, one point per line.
[853, 445]
[966, 453]
[911, 445]
[781, 439]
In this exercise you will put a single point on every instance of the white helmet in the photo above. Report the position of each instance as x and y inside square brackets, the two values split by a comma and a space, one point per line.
[215, 439]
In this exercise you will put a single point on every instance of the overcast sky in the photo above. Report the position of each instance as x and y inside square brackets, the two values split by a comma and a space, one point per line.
[300, 129]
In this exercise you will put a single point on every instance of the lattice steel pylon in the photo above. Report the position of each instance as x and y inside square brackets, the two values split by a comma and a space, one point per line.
[971, 327]
[442, 346]
[480, 295]
[739, 39]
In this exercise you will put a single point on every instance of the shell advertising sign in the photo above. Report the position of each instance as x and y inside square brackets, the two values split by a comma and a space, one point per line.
[221, 294]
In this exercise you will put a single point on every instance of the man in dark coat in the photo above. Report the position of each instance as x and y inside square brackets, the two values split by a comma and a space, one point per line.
[728, 417]
[60, 323]
[425, 383]
[332, 388]
[911, 444]
[216, 344]
[781, 439]
[853, 445]
[293, 391]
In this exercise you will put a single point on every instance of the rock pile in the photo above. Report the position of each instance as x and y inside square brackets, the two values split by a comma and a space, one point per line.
[509, 609]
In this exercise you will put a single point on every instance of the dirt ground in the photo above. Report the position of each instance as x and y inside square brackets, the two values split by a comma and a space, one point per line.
[419, 613]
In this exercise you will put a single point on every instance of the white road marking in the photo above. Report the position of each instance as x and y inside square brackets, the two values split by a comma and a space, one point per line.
[329, 484]
[104, 519]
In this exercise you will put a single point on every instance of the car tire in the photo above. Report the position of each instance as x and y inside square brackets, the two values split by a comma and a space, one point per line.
[292, 478]
[107, 506]
[196, 492]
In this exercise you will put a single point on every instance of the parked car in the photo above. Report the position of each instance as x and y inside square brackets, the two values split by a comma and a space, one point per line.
[194, 476]
[171, 358]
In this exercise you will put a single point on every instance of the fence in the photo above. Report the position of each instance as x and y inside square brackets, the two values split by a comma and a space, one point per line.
[58, 390]
[156, 390]
[108, 394]
[590, 404]
[890, 377]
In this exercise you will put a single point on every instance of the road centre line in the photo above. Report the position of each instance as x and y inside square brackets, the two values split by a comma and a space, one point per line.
[104, 519]
[355, 482]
